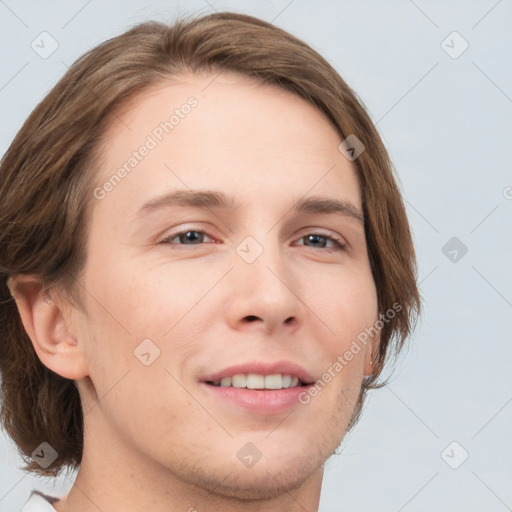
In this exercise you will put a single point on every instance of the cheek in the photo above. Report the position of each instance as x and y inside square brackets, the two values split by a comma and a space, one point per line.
[346, 302]
[163, 304]
[153, 300]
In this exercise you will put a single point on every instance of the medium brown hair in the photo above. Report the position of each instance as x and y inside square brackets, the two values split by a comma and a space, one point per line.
[46, 189]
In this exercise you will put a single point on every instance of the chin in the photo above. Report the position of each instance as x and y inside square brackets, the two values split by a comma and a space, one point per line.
[264, 483]
[271, 477]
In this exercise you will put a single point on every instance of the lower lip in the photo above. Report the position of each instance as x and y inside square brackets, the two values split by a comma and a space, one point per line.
[268, 401]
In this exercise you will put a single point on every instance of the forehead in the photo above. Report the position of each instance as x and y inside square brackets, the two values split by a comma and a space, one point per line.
[222, 132]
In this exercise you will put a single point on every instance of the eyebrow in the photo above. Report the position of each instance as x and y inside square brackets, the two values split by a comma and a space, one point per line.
[208, 199]
[198, 199]
[325, 205]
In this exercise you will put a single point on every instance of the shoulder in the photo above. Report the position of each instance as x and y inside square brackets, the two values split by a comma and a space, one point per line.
[39, 502]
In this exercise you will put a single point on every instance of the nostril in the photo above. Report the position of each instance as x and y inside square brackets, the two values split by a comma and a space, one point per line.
[252, 318]
[289, 320]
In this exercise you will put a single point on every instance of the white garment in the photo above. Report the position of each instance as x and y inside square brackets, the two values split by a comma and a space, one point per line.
[37, 503]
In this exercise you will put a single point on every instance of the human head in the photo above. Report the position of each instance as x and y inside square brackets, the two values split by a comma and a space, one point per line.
[48, 177]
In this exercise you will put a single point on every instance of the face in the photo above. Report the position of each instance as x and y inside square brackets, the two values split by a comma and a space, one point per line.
[227, 272]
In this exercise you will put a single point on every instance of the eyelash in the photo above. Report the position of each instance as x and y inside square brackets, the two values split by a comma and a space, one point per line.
[338, 244]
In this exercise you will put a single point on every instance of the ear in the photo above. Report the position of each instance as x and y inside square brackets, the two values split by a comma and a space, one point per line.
[48, 322]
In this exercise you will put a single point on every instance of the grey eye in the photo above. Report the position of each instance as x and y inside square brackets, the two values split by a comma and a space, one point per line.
[316, 240]
[190, 237]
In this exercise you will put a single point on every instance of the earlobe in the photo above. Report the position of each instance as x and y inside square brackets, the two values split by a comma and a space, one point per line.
[370, 357]
[48, 323]
[368, 368]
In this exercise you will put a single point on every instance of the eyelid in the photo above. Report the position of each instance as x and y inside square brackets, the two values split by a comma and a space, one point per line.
[335, 237]
[172, 234]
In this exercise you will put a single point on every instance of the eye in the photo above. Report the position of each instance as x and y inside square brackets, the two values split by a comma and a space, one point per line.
[190, 237]
[320, 241]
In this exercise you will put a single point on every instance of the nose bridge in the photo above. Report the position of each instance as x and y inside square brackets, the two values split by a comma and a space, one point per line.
[262, 263]
[263, 285]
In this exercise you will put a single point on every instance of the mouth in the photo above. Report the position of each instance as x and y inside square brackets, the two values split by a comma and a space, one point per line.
[259, 388]
[259, 381]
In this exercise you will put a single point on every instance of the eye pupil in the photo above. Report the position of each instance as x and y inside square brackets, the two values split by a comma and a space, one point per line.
[316, 240]
[191, 237]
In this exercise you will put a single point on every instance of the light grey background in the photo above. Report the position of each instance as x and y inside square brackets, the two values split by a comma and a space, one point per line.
[447, 124]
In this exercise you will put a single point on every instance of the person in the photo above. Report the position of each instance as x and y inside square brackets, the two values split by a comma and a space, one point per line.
[205, 266]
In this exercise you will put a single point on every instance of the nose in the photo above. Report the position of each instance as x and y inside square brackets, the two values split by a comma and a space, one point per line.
[265, 296]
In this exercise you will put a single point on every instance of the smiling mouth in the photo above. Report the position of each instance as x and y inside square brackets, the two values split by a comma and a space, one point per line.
[259, 382]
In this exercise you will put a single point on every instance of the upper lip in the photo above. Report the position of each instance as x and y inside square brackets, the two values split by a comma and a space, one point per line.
[262, 368]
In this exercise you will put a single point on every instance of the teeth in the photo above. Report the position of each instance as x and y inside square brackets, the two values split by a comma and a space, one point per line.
[287, 381]
[256, 381]
[274, 381]
[225, 382]
[239, 381]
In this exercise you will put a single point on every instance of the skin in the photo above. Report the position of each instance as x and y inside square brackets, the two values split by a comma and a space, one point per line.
[154, 437]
